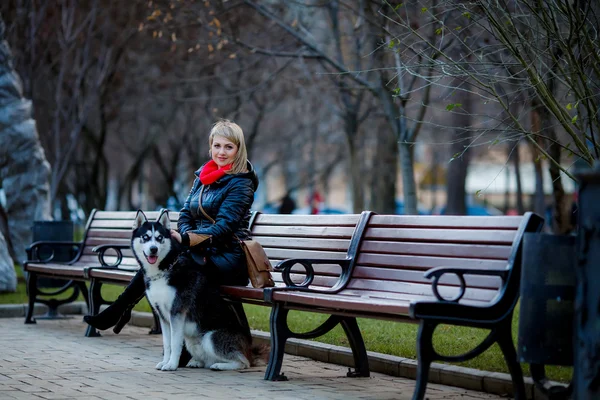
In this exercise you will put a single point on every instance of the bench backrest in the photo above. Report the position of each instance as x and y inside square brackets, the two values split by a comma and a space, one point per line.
[282, 236]
[308, 237]
[397, 250]
[113, 227]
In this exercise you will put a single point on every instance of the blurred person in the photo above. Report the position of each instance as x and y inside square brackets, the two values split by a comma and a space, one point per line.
[288, 205]
[315, 202]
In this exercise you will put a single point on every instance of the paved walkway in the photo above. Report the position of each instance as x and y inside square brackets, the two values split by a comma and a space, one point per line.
[53, 360]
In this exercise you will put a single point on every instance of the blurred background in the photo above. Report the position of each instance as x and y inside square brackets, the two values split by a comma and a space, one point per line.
[398, 107]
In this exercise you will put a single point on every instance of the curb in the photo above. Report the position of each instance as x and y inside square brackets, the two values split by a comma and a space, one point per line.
[467, 378]
[20, 310]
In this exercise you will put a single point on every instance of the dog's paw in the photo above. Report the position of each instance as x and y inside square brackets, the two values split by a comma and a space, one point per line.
[169, 367]
[195, 364]
[160, 365]
[230, 366]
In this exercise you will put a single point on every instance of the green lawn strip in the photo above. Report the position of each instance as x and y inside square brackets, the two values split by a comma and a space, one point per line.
[380, 336]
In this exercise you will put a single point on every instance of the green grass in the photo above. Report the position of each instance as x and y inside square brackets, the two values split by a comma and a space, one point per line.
[381, 336]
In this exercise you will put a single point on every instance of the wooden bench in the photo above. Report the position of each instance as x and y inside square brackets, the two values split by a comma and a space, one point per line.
[369, 266]
[475, 265]
[101, 228]
[282, 236]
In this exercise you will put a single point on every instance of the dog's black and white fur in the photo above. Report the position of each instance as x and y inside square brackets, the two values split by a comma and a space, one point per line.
[188, 303]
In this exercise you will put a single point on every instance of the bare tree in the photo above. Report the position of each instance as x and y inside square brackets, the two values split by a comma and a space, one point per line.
[544, 53]
[392, 90]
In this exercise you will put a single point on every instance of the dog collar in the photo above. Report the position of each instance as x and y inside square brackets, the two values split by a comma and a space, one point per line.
[156, 277]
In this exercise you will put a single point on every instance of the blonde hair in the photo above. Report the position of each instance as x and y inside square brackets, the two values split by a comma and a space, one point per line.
[232, 132]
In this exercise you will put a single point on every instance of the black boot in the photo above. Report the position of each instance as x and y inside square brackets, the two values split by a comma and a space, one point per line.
[239, 312]
[119, 312]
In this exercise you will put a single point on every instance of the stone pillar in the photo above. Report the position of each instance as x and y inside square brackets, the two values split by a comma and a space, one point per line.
[24, 170]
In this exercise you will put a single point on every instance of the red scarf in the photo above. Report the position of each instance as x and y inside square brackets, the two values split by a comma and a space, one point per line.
[211, 172]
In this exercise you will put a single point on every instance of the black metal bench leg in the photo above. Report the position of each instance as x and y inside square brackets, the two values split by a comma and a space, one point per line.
[95, 300]
[359, 351]
[504, 338]
[32, 294]
[425, 356]
[279, 335]
[84, 293]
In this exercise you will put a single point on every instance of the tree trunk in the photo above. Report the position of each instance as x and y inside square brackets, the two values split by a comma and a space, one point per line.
[517, 164]
[457, 170]
[560, 221]
[539, 199]
[356, 179]
[383, 192]
[456, 180]
[407, 170]
[24, 170]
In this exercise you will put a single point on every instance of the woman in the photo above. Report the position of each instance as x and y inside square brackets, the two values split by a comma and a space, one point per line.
[226, 186]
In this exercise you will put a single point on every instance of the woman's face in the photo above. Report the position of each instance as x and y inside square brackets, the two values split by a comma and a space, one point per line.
[223, 151]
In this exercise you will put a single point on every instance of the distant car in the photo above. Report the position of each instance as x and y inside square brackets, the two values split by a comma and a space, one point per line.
[400, 208]
[332, 211]
[270, 208]
[477, 210]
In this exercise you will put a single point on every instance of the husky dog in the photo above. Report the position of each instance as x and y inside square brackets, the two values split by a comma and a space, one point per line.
[188, 303]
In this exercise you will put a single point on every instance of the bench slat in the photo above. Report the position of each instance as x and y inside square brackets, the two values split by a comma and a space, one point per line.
[125, 224]
[294, 253]
[95, 241]
[319, 281]
[342, 302]
[446, 221]
[421, 289]
[437, 249]
[113, 275]
[130, 215]
[375, 273]
[393, 261]
[338, 245]
[442, 235]
[108, 234]
[302, 243]
[62, 270]
[349, 220]
[292, 232]
[93, 260]
[368, 294]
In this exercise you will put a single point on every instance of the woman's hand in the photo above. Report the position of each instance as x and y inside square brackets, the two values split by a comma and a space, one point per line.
[175, 235]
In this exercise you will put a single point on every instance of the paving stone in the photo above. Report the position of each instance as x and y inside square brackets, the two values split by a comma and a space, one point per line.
[55, 361]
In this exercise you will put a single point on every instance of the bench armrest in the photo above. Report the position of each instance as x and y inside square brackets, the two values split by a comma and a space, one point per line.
[285, 267]
[116, 247]
[33, 250]
[436, 274]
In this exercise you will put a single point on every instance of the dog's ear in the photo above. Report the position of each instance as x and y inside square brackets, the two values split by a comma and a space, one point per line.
[140, 219]
[163, 218]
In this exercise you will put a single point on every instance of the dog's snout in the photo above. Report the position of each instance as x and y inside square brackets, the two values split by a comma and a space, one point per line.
[153, 250]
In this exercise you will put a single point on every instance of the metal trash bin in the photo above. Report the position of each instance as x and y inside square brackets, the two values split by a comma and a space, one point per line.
[547, 306]
[60, 231]
[57, 231]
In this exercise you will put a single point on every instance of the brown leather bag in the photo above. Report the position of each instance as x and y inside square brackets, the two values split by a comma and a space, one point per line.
[259, 266]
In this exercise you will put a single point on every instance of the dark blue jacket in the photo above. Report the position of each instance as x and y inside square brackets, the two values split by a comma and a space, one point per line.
[228, 202]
